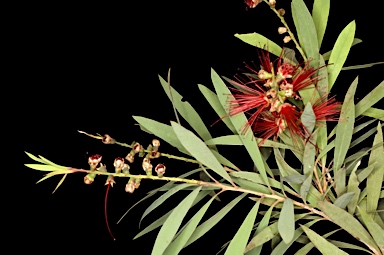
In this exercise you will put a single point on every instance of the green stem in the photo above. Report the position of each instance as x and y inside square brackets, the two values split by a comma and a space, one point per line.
[289, 31]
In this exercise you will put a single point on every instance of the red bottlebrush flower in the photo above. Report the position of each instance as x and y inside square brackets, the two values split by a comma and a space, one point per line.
[302, 78]
[291, 116]
[267, 126]
[252, 3]
[248, 100]
[326, 109]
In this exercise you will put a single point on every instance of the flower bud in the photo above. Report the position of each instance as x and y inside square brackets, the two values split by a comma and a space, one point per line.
[154, 154]
[130, 157]
[281, 11]
[264, 75]
[137, 147]
[282, 30]
[252, 3]
[125, 169]
[272, 3]
[110, 180]
[108, 140]
[287, 39]
[155, 144]
[130, 187]
[118, 164]
[147, 166]
[94, 160]
[89, 178]
[160, 169]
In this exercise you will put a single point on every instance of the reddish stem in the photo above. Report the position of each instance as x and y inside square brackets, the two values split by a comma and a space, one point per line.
[105, 212]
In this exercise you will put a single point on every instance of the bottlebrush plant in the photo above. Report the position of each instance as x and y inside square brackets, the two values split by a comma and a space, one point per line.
[282, 106]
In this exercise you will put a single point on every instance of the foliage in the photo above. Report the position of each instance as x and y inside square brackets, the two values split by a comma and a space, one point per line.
[328, 185]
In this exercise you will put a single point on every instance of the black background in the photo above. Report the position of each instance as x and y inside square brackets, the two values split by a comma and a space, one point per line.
[90, 67]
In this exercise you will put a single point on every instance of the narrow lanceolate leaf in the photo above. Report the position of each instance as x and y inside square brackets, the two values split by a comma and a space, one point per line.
[340, 181]
[34, 157]
[372, 98]
[361, 66]
[374, 229]
[340, 52]
[308, 118]
[162, 131]
[348, 223]
[306, 31]
[260, 41]
[238, 122]
[225, 140]
[239, 241]
[186, 111]
[178, 244]
[308, 165]
[353, 187]
[160, 221]
[344, 128]
[224, 161]
[375, 179]
[344, 199]
[320, 12]
[262, 225]
[321, 243]
[160, 200]
[211, 222]
[354, 42]
[41, 167]
[173, 222]
[286, 223]
[216, 105]
[199, 150]
[60, 182]
[374, 113]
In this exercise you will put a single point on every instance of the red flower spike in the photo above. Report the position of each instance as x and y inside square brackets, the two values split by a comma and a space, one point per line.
[291, 116]
[268, 126]
[302, 78]
[326, 109]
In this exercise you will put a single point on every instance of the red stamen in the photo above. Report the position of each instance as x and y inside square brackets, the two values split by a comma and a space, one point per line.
[105, 212]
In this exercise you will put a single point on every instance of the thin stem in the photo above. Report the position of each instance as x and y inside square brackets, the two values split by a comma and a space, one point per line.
[130, 146]
[288, 30]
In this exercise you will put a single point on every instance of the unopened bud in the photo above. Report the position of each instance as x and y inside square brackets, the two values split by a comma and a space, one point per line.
[137, 147]
[282, 30]
[154, 154]
[160, 169]
[125, 169]
[108, 140]
[287, 39]
[281, 11]
[118, 164]
[130, 187]
[264, 75]
[272, 3]
[147, 166]
[89, 178]
[130, 157]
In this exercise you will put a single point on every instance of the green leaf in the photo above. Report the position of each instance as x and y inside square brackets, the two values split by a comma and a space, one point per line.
[308, 118]
[51, 163]
[322, 83]
[261, 42]
[364, 136]
[320, 12]
[216, 105]
[295, 178]
[372, 98]
[308, 165]
[225, 140]
[353, 187]
[375, 179]
[348, 246]
[34, 157]
[173, 222]
[239, 241]
[361, 66]
[340, 181]
[60, 182]
[374, 113]
[238, 121]
[178, 244]
[344, 199]
[199, 150]
[262, 225]
[160, 221]
[162, 131]
[321, 243]
[282, 247]
[186, 111]
[286, 223]
[43, 167]
[160, 200]
[306, 31]
[344, 128]
[340, 52]
[223, 160]
[375, 230]
[309, 245]
[264, 236]
[347, 222]
[212, 221]
[328, 54]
